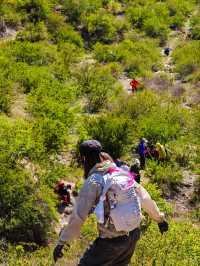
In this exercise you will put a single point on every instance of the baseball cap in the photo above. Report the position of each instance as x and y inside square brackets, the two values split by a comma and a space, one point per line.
[90, 146]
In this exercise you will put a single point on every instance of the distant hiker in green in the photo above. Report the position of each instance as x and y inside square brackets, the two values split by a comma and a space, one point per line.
[116, 200]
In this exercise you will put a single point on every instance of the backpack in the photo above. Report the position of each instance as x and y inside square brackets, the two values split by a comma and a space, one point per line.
[119, 192]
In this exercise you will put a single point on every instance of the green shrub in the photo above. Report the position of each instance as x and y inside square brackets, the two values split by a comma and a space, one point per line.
[36, 10]
[156, 194]
[33, 53]
[63, 32]
[26, 209]
[187, 58]
[46, 136]
[195, 27]
[166, 176]
[177, 21]
[5, 94]
[53, 100]
[74, 9]
[100, 27]
[129, 54]
[155, 28]
[113, 132]
[136, 107]
[98, 85]
[164, 124]
[180, 6]
[33, 33]
[30, 77]
[67, 33]
[179, 246]
[9, 14]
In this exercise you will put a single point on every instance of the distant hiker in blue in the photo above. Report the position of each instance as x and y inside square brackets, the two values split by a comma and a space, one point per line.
[167, 50]
[141, 151]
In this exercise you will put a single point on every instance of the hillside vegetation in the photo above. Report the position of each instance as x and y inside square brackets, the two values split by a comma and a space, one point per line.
[63, 66]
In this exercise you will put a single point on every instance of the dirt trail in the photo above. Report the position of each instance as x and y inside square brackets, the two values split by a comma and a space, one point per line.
[18, 106]
[181, 200]
[9, 34]
[125, 82]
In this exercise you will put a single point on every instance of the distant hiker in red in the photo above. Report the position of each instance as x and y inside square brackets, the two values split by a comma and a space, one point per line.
[65, 192]
[134, 84]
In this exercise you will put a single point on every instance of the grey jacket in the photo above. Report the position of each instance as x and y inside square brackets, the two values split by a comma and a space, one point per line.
[89, 197]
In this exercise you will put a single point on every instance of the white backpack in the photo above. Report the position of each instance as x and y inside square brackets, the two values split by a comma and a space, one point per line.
[119, 191]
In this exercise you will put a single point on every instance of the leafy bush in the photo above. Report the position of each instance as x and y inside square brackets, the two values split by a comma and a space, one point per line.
[48, 137]
[195, 27]
[136, 107]
[30, 77]
[180, 6]
[98, 85]
[163, 124]
[155, 28]
[129, 54]
[62, 32]
[67, 33]
[156, 194]
[9, 14]
[74, 9]
[36, 10]
[5, 94]
[100, 27]
[33, 33]
[113, 132]
[187, 58]
[177, 247]
[53, 100]
[152, 18]
[26, 210]
[33, 53]
[166, 176]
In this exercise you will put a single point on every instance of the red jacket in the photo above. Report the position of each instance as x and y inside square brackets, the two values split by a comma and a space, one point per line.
[134, 83]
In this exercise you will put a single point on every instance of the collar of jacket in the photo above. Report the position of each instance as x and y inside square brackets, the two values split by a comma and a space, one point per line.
[102, 167]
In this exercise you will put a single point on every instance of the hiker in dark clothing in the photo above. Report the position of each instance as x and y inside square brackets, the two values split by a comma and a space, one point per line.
[141, 151]
[135, 169]
[118, 234]
[167, 51]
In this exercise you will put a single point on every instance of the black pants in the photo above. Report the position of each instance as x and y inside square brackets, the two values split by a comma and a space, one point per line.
[142, 161]
[111, 252]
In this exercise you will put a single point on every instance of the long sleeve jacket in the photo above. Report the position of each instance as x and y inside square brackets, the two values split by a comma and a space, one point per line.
[89, 197]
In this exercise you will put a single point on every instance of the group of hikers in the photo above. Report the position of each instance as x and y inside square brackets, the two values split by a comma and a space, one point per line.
[157, 152]
[111, 191]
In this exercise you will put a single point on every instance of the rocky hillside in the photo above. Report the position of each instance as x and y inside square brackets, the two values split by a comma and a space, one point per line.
[65, 72]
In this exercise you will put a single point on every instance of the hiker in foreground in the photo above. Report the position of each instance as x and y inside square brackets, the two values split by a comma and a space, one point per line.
[117, 199]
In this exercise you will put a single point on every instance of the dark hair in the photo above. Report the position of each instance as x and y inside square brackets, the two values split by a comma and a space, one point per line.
[92, 159]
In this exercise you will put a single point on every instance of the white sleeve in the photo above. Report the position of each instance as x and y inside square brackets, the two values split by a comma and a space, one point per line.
[148, 204]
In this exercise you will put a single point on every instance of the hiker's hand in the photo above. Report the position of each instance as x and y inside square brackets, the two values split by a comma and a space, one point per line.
[57, 253]
[163, 227]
